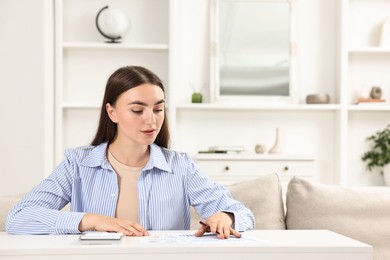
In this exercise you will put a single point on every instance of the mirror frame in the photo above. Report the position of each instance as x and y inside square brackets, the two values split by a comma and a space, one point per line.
[215, 95]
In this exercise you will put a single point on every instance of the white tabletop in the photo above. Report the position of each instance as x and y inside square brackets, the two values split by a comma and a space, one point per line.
[162, 243]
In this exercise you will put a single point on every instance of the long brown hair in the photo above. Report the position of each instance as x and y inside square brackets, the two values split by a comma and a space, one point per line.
[120, 81]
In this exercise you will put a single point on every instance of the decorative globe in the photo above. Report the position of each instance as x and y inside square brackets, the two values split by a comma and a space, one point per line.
[112, 24]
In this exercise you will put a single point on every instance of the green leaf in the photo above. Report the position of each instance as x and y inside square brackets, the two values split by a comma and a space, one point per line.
[379, 154]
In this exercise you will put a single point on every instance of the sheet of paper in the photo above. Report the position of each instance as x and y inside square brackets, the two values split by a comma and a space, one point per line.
[190, 238]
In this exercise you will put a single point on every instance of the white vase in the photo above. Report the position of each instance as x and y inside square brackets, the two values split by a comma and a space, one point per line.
[364, 91]
[276, 149]
[386, 174]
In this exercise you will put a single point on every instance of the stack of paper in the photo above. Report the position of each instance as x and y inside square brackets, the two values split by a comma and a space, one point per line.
[224, 149]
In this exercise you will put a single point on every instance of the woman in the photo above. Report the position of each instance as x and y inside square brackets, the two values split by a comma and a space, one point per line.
[128, 180]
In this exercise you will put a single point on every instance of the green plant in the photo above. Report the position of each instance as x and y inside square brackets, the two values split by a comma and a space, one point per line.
[379, 155]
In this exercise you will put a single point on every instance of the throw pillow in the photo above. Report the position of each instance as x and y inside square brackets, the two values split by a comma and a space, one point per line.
[263, 196]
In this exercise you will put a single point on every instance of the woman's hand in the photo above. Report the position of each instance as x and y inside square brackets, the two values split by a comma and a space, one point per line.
[103, 223]
[221, 224]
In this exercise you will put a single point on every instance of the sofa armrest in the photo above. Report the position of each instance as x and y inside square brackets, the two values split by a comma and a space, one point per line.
[6, 204]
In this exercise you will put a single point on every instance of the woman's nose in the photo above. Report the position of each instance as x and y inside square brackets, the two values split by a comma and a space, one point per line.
[149, 117]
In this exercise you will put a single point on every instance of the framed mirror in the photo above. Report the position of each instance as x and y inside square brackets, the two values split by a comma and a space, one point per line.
[252, 51]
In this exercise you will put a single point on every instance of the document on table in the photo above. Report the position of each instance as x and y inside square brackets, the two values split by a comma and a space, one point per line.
[189, 238]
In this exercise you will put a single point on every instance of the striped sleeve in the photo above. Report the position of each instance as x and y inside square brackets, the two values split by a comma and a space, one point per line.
[39, 211]
[38, 220]
[209, 197]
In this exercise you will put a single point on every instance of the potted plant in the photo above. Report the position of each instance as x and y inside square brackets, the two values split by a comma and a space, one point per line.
[379, 154]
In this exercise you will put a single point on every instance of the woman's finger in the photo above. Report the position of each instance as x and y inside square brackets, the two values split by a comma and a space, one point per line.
[235, 233]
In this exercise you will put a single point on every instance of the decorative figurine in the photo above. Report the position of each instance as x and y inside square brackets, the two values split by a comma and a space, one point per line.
[376, 92]
[260, 148]
[112, 24]
[276, 149]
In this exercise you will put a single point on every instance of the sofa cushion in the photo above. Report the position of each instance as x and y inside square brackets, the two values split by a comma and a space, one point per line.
[6, 204]
[361, 213]
[263, 196]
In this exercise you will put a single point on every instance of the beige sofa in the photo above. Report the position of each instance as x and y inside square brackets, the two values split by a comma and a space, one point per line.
[360, 213]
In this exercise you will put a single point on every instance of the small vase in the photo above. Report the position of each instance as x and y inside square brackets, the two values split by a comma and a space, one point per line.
[196, 97]
[386, 174]
[276, 149]
[364, 92]
[376, 92]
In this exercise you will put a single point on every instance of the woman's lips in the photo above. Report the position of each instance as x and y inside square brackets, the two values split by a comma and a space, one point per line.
[149, 132]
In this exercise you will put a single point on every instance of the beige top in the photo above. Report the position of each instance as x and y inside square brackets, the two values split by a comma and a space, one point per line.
[127, 206]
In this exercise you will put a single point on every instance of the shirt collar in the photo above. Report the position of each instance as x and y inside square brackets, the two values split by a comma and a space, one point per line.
[97, 157]
[157, 159]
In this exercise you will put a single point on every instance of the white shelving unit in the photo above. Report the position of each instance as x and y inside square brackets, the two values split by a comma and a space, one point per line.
[335, 56]
[366, 64]
[84, 61]
[305, 129]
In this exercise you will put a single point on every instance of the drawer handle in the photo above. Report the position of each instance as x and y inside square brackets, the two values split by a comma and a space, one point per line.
[227, 168]
[285, 168]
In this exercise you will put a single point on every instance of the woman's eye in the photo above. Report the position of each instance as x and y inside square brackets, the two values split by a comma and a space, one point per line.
[157, 110]
[136, 111]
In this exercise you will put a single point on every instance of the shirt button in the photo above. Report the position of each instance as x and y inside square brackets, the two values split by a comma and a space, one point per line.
[113, 194]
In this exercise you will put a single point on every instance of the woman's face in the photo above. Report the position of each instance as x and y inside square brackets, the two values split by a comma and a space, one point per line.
[139, 114]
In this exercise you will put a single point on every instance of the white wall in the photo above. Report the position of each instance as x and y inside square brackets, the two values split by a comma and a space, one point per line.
[23, 65]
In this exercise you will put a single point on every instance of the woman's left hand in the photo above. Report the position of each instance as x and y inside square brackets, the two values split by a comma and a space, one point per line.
[221, 224]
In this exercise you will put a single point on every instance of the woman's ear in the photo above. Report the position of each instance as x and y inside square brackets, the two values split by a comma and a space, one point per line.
[111, 113]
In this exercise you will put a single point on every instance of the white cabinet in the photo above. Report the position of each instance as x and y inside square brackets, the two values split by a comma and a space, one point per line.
[232, 168]
[84, 61]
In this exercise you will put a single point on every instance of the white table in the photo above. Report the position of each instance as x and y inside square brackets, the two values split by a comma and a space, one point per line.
[261, 244]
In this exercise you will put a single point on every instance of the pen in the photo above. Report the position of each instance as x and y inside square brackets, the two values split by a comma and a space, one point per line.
[207, 227]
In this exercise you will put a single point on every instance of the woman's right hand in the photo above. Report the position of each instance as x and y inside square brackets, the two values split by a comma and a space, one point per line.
[103, 223]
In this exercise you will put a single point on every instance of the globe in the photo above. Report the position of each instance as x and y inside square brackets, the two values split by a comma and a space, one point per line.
[112, 24]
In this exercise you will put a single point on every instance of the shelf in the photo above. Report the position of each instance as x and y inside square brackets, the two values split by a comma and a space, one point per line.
[80, 106]
[368, 108]
[369, 50]
[253, 157]
[117, 46]
[246, 106]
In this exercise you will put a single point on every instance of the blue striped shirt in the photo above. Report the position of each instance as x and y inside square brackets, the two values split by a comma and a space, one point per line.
[168, 185]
